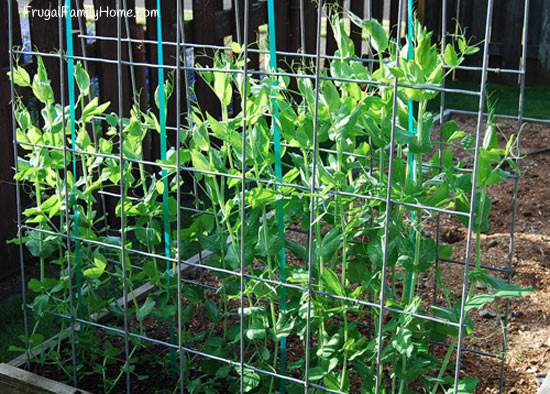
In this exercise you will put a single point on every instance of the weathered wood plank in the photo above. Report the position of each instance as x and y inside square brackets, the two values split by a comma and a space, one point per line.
[18, 381]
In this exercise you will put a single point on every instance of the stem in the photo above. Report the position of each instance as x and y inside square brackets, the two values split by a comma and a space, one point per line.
[342, 219]
[444, 365]
[415, 167]
[38, 192]
[414, 176]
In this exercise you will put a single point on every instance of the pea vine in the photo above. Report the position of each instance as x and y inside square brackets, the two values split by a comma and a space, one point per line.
[352, 158]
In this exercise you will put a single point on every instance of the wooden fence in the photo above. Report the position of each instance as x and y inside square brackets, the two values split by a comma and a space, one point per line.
[211, 22]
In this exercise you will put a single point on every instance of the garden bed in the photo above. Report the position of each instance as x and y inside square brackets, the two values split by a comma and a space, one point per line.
[529, 351]
[324, 254]
[17, 381]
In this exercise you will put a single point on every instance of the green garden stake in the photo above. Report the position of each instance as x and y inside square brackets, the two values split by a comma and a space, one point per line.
[72, 125]
[412, 164]
[164, 173]
[279, 176]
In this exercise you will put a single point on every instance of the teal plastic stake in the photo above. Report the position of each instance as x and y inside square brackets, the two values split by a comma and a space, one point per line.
[164, 173]
[72, 125]
[279, 175]
[412, 131]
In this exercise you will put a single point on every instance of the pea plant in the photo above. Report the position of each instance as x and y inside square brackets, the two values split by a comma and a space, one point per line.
[329, 317]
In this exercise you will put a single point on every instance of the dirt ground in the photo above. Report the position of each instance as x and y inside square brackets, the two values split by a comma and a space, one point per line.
[528, 355]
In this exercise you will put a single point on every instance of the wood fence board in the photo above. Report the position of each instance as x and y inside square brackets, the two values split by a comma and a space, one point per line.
[205, 19]
[310, 26]
[333, 6]
[358, 8]
[45, 38]
[377, 9]
[9, 258]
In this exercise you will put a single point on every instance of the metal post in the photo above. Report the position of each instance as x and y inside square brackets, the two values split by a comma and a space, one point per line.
[72, 311]
[243, 193]
[512, 245]
[439, 147]
[387, 214]
[313, 199]
[472, 213]
[122, 202]
[18, 187]
[181, 353]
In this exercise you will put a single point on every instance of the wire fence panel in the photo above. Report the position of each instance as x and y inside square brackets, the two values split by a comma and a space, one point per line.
[219, 212]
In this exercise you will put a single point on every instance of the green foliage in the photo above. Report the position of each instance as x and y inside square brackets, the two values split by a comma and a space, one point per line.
[349, 248]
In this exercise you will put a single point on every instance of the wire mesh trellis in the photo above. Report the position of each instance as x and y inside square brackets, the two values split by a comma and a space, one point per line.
[124, 257]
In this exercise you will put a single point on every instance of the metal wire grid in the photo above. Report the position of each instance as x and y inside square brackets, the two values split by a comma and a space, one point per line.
[181, 46]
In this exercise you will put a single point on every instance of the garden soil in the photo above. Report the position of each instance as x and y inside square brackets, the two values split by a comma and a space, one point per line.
[528, 357]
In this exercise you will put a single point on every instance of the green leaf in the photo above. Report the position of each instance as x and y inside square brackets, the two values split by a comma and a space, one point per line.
[297, 250]
[344, 42]
[82, 79]
[285, 325]
[42, 90]
[269, 243]
[168, 90]
[332, 283]
[236, 47]
[212, 310]
[200, 162]
[490, 140]
[100, 262]
[332, 382]
[222, 87]
[451, 57]
[20, 77]
[92, 109]
[256, 332]
[251, 380]
[506, 289]
[40, 304]
[330, 96]
[149, 236]
[467, 385]
[259, 197]
[200, 138]
[450, 131]
[146, 309]
[329, 346]
[402, 342]
[378, 36]
[193, 294]
[330, 244]
[317, 373]
[159, 186]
